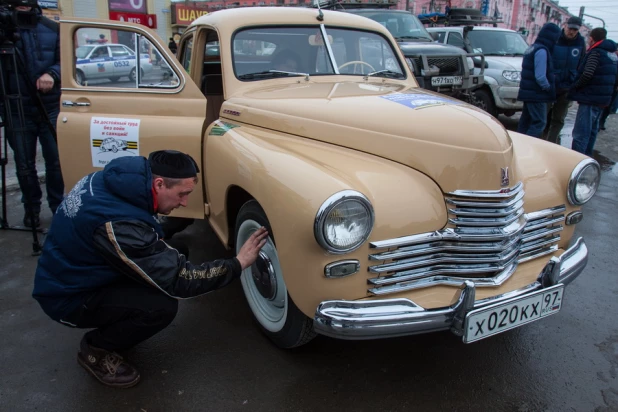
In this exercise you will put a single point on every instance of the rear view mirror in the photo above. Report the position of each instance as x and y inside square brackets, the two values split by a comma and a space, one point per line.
[317, 40]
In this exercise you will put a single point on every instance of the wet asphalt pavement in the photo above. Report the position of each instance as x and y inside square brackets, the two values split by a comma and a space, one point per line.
[213, 357]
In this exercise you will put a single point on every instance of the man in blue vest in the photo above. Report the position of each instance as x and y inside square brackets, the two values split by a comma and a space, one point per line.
[593, 89]
[537, 87]
[566, 56]
[105, 266]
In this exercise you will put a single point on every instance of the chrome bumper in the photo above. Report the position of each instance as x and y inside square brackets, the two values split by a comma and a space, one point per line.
[372, 319]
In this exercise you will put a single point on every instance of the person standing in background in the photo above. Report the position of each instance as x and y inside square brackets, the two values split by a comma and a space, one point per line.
[537, 87]
[593, 89]
[568, 52]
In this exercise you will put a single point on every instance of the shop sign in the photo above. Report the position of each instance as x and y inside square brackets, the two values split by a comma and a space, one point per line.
[130, 6]
[48, 4]
[148, 20]
[184, 15]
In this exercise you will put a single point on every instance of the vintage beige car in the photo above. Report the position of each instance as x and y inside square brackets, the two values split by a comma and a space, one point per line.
[392, 210]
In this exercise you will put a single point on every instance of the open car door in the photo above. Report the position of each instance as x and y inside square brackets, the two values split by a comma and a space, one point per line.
[127, 99]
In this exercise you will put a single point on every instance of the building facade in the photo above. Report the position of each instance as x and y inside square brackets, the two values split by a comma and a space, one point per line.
[170, 18]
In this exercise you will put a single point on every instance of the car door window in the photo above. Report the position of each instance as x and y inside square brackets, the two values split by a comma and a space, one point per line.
[455, 39]
[107, 58]
[186, 50]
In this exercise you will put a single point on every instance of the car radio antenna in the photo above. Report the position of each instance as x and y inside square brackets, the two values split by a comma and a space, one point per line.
[320, 14]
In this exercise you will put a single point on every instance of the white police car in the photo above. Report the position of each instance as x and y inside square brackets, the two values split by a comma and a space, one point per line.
[108, 61]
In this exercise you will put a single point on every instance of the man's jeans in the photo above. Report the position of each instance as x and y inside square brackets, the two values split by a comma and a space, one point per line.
[558, 113]
[533, 119]
[586, 128]
[24, 148]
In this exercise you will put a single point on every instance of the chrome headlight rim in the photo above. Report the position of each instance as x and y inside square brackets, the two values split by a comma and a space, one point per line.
[326, 208]
[576, 174]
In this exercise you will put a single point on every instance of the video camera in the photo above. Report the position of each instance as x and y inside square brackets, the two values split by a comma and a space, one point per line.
[12, 19]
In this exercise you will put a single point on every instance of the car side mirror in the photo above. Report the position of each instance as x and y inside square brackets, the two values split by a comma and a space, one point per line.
[477, 62]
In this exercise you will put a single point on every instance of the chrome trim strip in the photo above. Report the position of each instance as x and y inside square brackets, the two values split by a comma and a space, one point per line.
[470, 203]
[486, 221]
[501, 193]
[331, 55]
[487, 212]
[543, 223]
[446, 281]
[546, 212]
[103, 89]
[524, 257]
[434, 247]
[370, 319]
[539, 233]
[440, 258]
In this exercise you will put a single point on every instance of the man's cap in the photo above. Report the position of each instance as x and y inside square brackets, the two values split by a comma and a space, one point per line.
[172, 164]
[574, 22]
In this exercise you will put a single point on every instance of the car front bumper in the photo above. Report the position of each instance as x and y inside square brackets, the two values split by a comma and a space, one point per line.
[373, 319]
[506, 97]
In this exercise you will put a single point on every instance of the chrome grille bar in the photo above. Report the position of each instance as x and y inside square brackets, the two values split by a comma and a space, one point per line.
[490, 237]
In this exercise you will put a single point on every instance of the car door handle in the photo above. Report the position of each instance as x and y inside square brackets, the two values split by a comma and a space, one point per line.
[68, 103]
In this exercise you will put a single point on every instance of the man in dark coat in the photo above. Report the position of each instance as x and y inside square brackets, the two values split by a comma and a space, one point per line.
[537, 86]
[566, 56]
[172, 45]
[40, 48]
[593, 89]
[105, 265]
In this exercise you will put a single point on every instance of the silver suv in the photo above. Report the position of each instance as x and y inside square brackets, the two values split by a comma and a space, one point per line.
[503, 50]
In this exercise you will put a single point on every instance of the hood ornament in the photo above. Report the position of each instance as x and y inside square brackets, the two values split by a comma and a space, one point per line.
[504, 177]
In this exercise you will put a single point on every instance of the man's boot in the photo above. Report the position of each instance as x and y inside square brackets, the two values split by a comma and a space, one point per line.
[108, 367]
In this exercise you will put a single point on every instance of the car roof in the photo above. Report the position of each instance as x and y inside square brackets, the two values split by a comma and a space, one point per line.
[230, 19]
[476, 28]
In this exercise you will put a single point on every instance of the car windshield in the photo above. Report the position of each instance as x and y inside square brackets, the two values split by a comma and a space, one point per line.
[497, 43]
[261, 53]
[82, 51]
[401, 25]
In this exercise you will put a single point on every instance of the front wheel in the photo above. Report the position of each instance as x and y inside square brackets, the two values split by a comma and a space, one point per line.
[485, 101]
[132, 74]
[264, 286]
[80, 78]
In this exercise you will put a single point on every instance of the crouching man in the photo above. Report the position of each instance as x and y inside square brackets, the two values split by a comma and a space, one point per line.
[105, 266]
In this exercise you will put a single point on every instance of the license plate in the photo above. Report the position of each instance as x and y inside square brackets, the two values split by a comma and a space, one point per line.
[446, 81]
[484, 322]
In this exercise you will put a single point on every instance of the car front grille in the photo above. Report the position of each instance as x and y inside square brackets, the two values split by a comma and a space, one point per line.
[447, 65]
[488, 235]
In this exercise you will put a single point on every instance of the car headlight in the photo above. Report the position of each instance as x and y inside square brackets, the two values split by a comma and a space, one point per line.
[344, 222]
[584, 182]
[512, 75]
[470, 62]
[410, 64]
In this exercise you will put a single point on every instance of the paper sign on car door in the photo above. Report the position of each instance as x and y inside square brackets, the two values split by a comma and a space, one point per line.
[113, 137]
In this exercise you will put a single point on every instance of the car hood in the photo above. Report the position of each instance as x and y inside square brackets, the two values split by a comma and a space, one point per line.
[432, 48]
[446, 139]
[504, 62]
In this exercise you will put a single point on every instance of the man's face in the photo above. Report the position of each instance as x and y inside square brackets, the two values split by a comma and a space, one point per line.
[170, 198]
[570, 33]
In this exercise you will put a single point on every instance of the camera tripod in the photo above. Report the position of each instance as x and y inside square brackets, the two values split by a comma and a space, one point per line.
[11, 61]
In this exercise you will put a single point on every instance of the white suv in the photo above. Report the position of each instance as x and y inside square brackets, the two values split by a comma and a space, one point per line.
[504, 50]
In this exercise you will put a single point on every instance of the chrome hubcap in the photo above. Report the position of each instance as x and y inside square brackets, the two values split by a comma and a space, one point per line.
[264, 277]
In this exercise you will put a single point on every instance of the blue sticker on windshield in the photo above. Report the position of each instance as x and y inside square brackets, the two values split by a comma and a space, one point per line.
[416, 100]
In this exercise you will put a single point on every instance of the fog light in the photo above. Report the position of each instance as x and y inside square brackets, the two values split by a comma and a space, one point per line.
[574, 218]
[341, 269]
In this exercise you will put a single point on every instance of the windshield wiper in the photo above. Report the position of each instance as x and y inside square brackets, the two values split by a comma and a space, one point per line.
[398, 38]
[272, 73]
[384, 73]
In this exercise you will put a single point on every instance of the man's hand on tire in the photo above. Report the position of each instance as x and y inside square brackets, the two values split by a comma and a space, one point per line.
[249, 251]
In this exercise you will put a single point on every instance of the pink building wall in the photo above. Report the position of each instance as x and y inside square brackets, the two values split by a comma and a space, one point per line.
[515, 14]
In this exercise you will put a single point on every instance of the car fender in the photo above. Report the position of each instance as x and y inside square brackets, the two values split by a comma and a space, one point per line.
[291, 177]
